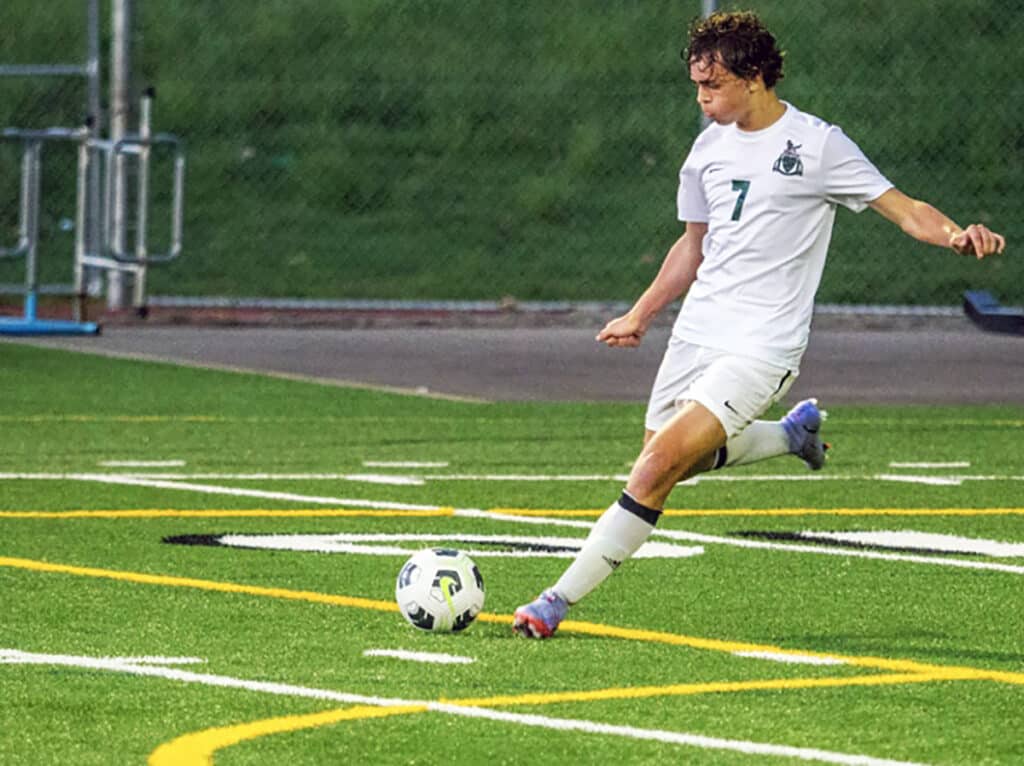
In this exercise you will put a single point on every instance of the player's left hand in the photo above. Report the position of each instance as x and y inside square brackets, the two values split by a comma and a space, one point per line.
[977, 240]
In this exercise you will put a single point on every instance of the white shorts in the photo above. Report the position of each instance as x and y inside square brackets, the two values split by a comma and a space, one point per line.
[736, 389]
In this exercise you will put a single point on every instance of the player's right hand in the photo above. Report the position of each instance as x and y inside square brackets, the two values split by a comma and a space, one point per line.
[622, 332]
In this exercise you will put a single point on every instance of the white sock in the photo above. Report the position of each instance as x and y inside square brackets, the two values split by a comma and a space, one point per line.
[761, 440]
[616, 536]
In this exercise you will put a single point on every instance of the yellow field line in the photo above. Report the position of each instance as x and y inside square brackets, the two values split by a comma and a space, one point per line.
[198, 748]
[164, 513]
[569, 626]
[712, 687]
[948, 672]
[781, 512]
[188, 582]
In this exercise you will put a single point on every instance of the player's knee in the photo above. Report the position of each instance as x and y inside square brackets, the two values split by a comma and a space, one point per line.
[655, 469]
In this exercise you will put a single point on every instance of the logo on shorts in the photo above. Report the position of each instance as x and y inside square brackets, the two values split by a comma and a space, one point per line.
[734, 411]
[789, 162]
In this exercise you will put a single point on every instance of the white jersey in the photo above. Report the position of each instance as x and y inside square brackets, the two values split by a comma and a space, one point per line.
[769, 198]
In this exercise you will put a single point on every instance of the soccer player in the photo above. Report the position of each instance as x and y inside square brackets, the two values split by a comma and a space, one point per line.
[758, 195]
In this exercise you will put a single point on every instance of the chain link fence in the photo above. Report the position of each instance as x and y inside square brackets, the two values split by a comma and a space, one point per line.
[475, 150]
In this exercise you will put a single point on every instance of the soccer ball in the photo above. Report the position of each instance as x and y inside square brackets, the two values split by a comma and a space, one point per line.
[440, 589]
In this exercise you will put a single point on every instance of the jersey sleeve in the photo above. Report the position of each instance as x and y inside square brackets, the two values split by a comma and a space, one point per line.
[851, 179]
[691, 204]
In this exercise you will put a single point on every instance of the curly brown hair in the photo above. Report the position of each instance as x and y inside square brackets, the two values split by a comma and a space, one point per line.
[740, 41]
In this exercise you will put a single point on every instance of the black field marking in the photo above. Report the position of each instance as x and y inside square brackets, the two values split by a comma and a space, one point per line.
[830, 542]
[211, 540]
[215, 541]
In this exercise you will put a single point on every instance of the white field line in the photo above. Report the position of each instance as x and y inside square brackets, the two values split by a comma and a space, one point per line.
[212, 490]
[403, 464]
[715, 476]
[414, 480]
[360, 543]
[15, 657]
[142, 463]
[418, 480]
[695, 537]
[11, 656]
[384, 478]
[400, 479]
[671, 534]
[147, 660]
[858, 554]
[939, 481]
[951, 464]
[800, 659]
[931, 541]
[670, 737]
[429, 657]
[365, 478]
[704, 477]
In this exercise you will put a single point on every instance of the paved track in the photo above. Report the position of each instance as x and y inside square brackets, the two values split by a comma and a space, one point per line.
[949, 363]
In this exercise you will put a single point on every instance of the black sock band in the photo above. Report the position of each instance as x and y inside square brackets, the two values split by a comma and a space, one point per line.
[649, 515]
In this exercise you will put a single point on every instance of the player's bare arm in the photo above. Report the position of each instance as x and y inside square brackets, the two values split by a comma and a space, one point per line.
[674, 278]
[926, 223]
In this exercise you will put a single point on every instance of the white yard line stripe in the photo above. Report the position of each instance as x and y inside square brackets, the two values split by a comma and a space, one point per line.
[858, 554]
[142, 463]
[213, 490]
[671, 737]
[715, 476]
[147, 660]
[431, 657]
[948, 481]
[11, 656]
[364, 478]
[525, 477]
[625, 476]
[15, 657]
[800, 659]
[926, 542]
[381, 478]
[368, 544]
[951, 464]
[671, 534]
[403, 464]
[417, 480]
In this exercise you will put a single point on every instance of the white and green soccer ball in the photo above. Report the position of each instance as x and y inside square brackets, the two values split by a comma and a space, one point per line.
[440, 589]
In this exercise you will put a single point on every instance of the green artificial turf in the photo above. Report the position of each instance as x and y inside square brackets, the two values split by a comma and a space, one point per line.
[76, 585]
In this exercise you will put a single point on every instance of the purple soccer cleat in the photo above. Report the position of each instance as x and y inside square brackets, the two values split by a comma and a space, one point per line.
[541, 617]
[802, 425]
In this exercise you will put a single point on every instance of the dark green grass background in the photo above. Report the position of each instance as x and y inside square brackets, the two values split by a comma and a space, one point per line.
[475, 150]
[66, 412]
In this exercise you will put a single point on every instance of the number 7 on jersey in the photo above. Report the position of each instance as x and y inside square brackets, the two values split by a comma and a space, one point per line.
[742, 186]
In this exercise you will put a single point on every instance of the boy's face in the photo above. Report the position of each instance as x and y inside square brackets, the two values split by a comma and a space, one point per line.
[722, 96]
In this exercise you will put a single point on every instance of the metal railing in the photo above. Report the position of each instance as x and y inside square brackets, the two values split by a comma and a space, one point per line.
[105, 159]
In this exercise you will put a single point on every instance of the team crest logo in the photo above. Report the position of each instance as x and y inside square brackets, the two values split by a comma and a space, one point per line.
[789, 162]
